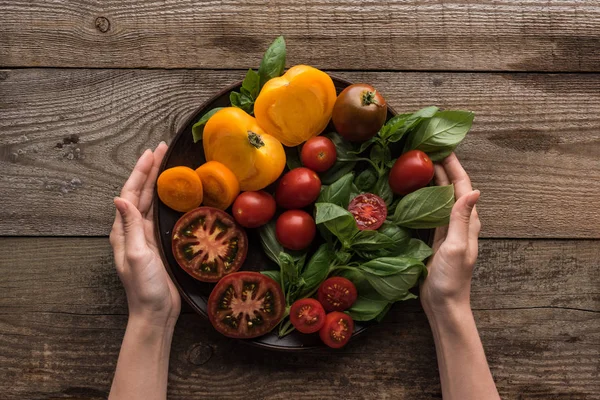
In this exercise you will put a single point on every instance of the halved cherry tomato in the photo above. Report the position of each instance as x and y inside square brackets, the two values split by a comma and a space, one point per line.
[245, 304]
[208, 244]
[295, 229]
[298, 188]
[307, 315]
[337, 330]
[179, 188]
[412, 170]
[369, 211]
[219, 184]
[318, 154]
[253, 209]
[337, 294]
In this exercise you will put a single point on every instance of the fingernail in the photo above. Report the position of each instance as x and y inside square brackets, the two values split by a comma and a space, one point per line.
[162, 142]
[473, 198]
[120, 205]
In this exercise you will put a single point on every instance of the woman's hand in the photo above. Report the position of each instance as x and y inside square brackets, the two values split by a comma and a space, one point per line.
[448, 284]
[151, 295]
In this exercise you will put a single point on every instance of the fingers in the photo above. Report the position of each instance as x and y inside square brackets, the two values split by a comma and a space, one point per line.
[474, 229]
[457, 175]
[441, 179]
[460, 219]
[132, 189]
[148, 189]
[133, 230]
[440, 176]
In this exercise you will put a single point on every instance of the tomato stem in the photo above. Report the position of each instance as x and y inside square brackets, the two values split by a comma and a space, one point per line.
[368, 98]
[255, 140]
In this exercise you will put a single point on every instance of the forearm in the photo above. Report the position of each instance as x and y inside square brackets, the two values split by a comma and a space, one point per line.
[464, 371]
[143, 363]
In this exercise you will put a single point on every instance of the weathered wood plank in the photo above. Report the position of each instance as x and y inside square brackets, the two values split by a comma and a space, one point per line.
[533, 150]
[63, 313]
[397, 35]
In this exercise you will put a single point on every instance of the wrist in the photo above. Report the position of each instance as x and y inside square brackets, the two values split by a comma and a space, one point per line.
[449, 315]
[151, 325]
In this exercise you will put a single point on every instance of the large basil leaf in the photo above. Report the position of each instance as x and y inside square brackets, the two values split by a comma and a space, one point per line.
[396, 233]
[251, 84]
[273, 62]
[242, 101]
[345, 161]
[399, 125]
[316, 270]
[386, 266]
[338, 221]
[366, 180]
[439, 135]
[415, 249]
[338, 192]
[383, 190]
[198, 127]
[425, 208]
[365, 309]
[270, 244]
[395, 286]
[370, 240]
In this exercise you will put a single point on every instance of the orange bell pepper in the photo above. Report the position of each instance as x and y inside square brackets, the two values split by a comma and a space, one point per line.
[296, 106]
[234, 139]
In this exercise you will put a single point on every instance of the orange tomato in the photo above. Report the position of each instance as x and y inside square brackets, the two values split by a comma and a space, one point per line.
[180, 188]
[219, 184]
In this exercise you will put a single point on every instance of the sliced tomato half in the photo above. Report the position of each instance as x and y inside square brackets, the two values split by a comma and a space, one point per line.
[208, 244]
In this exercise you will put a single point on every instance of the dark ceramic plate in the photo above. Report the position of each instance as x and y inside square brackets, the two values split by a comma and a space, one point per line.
[183, 151]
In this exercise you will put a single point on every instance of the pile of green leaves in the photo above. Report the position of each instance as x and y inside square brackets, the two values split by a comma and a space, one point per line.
[386, 263]
[271, 66]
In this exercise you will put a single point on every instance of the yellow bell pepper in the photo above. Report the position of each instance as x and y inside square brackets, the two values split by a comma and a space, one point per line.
[234, 139]
[296, 106]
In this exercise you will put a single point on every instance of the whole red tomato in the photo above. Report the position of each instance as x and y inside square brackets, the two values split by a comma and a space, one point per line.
[411, 171]
[295, 229]
[253, 209]
[359, 112]
[298, 188]
[318, 154]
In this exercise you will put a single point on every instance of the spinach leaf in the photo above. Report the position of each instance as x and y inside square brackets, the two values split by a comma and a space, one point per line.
[273, 62]
[439, 135]
[338, 192]
[269, 241]
[365, 309]
[345, 161]
[275, 275]
[383, 190]
[425, 208]
[292, 157]
[338, 221]
[198, 127]
[416, 249]
[316, 270]
[366, 180]
[370, 240]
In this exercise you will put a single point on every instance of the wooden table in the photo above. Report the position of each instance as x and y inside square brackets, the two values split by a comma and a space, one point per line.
[87, 85]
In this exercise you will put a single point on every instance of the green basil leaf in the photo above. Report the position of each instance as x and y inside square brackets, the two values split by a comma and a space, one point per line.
[242, 101]
[288, 267]
[382, 189]
[439, 135]
[343, 257]
[270, 244]
[370, 240]
[366, 180]
[411, 122]
[273, 62]
[338, 170]
[400, 236]
[366, 309]
[386, 266]
[394, 287]
[316, 270]
[198, 127]
[338, 192]
[364, 146]
[345, 160]
[393, 125]
[251, 84]
[416, 249]
[425, 208]
[338, 221]
[292, 157]
[275, 275]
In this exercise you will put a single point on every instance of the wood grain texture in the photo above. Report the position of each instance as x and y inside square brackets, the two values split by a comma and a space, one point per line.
[504, 35]
[63, 314]
[533, 150]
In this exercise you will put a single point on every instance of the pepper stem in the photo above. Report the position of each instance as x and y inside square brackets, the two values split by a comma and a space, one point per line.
[368, 98]
[255, 140]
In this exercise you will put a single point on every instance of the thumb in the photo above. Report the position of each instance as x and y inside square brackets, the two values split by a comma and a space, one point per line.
[458, 230]
[133, 228]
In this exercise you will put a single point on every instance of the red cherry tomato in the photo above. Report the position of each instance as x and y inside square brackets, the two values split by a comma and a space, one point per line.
[359, 112]
[307, 315]
[295, 229]
[369, 211]
[253, 209]
[318, 154]
[412, 170]
[337, 330]
[298, 188]
[337, 294]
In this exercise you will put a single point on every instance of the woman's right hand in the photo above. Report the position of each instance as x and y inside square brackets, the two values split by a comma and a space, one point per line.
[448, 283]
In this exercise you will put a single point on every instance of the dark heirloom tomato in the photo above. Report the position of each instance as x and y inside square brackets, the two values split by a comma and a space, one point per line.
[245, 305]
[307, 315]
[337, 330]
[369, 211]
[253, 209]
[298, 188]
[337, 294]
[318, 154]
[208, 244]
[359, 112]
[412, 170]
[295, 229]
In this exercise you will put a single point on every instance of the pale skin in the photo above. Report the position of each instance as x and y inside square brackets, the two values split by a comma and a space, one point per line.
[154, 303]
